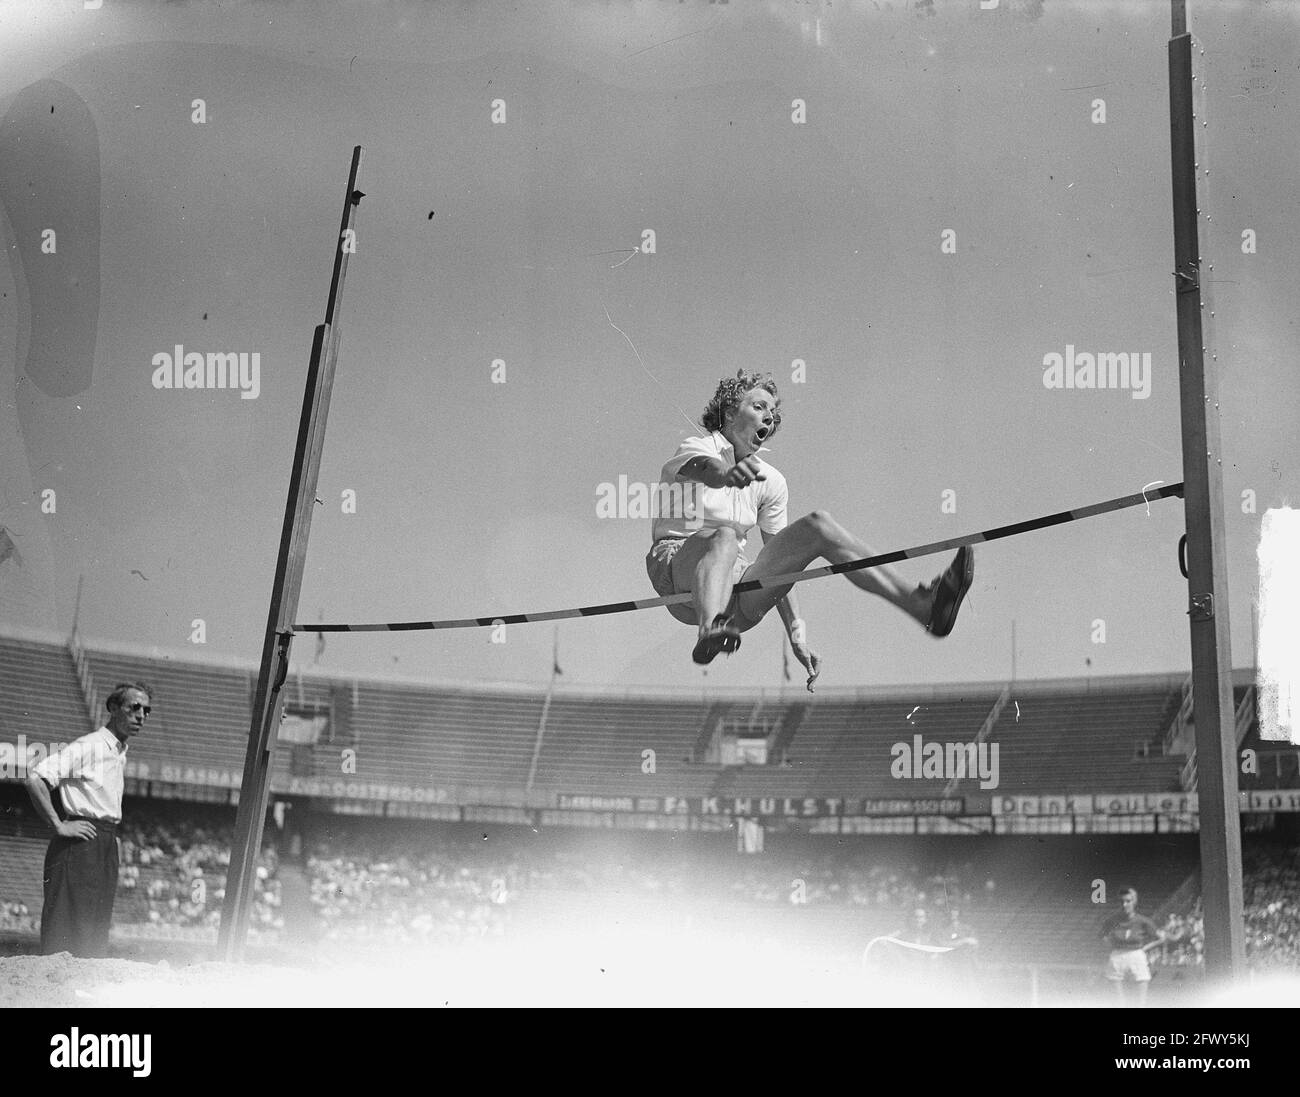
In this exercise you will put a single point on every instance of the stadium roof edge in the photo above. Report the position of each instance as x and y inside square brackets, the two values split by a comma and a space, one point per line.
[790, 692]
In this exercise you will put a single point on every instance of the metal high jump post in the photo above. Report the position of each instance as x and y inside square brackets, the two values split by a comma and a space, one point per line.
[268, 701]
[1207, 582]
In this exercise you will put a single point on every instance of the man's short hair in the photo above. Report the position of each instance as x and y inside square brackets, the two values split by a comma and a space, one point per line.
[114, 700]
[1129, 891]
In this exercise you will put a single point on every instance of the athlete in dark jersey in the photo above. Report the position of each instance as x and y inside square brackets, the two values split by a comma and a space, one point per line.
[1130, 936]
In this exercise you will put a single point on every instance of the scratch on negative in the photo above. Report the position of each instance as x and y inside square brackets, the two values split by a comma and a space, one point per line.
[642, 363]
[679, 37]
[617, 251]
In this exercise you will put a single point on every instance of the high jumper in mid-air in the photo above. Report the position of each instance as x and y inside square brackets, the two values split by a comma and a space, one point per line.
[699, 536]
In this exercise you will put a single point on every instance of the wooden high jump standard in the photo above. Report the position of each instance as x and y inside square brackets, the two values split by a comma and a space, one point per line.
[268, 702]
[1207, 582]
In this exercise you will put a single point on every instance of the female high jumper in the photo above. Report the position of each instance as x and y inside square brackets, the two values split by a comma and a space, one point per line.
[723, 489]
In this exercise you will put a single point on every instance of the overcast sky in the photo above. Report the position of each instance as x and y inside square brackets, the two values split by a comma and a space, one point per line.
[1034, 136]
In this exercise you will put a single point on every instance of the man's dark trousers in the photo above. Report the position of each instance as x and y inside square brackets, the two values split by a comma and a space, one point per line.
[80, 885]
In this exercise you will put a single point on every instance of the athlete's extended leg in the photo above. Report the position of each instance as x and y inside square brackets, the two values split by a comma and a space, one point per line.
[818, 535]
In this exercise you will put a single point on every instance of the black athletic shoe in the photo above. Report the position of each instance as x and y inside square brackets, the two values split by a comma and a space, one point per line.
[950, 588]
[722, 635]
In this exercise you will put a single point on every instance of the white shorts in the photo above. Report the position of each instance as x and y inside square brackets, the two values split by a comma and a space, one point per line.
[659, 566]
[1128, 965]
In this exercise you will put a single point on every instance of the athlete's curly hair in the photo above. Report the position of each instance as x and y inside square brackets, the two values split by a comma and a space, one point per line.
[731, 390]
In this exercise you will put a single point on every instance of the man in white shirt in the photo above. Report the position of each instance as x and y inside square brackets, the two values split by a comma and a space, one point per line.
[716, 488]
[78, 792]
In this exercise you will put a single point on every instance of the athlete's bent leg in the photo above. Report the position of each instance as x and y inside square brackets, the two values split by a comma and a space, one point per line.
[704, 565]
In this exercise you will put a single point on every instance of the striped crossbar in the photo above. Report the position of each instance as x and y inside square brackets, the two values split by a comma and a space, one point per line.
[1014, 530]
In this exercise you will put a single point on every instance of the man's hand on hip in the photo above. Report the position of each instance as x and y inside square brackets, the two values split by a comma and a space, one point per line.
[76, 828]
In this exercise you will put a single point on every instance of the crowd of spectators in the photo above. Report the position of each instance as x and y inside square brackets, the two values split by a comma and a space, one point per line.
[1271, 905]
[173, 873]
[440, 888]
[444, 887]
[449, 885]
[834, 880]
[1272, 902]
[423, 898]
[1184, 942]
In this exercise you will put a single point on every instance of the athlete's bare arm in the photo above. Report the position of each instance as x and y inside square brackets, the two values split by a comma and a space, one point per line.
[1160, 940]
[713, 473]
[788, 608]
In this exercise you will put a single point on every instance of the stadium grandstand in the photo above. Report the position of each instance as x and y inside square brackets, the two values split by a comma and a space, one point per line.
[449, 814]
